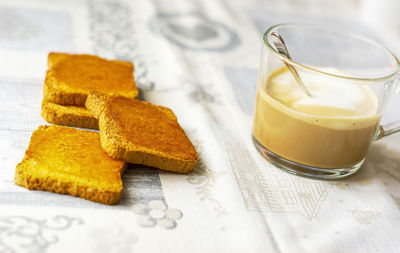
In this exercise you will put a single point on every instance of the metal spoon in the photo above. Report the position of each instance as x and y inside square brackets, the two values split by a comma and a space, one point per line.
[282, 49]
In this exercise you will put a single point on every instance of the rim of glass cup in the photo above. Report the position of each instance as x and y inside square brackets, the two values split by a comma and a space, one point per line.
[356, 36]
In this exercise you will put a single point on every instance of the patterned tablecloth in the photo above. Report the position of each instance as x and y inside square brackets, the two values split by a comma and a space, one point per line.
[199, 58]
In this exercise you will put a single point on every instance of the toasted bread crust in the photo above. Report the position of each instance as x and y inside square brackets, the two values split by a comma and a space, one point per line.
[54, 185]
[54, 162]
[96, 103]
[70, 78]
[143, 142]
[65, 115]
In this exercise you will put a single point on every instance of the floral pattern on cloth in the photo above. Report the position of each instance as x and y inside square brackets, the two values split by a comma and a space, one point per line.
[26, 234]
[156, 212]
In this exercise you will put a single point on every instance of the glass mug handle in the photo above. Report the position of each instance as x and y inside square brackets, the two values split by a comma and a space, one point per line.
[393, 87]
[388, 129]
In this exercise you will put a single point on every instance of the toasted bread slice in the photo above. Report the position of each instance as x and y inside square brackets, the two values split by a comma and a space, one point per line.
[141, 133]
[70, 161]
[71, 77]
[68, 115]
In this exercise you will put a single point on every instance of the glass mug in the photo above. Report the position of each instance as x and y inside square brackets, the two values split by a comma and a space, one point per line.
[326, 134]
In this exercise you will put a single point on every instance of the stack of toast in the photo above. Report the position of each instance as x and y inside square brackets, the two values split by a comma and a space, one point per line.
[69, 80]
[87, 91]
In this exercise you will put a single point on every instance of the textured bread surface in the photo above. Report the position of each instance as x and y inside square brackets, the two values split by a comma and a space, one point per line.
[68, 115]
[70, 161]
[142, 133]
[70, 78]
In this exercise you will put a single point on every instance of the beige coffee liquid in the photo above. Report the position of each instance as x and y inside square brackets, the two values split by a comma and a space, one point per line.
[331, 129]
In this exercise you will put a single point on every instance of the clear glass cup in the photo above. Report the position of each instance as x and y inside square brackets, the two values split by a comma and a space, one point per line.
[325, 135]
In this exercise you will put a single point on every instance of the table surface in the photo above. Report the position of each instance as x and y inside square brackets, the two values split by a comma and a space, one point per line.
[199, 58]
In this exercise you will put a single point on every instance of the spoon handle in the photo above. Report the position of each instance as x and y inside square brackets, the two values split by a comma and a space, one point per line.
[282, 49]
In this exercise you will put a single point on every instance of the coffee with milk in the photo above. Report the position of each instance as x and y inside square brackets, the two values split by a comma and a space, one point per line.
[332, 128]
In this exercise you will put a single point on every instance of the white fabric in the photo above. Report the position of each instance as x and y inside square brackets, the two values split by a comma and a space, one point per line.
[199, 58]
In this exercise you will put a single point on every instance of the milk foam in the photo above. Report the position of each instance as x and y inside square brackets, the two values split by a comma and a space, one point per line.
[329, 97]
